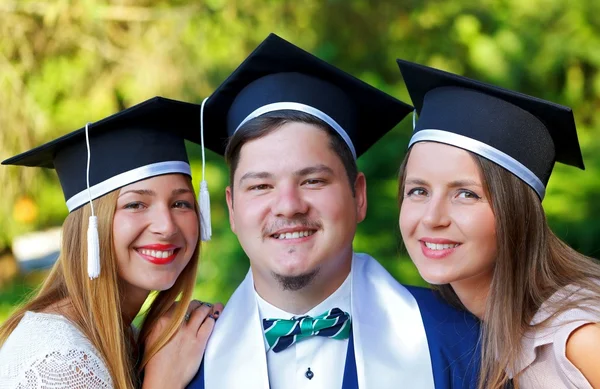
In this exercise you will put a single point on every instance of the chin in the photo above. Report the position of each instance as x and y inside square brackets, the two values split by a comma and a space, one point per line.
[292, 272]
[160, 285]
[294, 266]
[436, 279]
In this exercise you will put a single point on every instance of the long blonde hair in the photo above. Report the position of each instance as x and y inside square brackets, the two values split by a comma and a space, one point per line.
[96, 304]
[532, 264]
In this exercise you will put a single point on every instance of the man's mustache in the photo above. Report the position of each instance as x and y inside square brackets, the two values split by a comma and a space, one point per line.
[292, 223]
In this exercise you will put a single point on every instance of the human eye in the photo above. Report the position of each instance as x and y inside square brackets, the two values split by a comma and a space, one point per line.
[134, 205]
[259, 187]
[314, 182]
[416, 192]
[467, 195]
[183, 204]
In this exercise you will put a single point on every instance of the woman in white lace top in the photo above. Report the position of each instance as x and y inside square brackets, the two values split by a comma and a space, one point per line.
[472, 221]
[77, 331]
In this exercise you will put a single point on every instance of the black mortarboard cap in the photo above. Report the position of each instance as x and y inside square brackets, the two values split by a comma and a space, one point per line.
[143, 141]
[278, 76]
[140, 142]
[521, 133]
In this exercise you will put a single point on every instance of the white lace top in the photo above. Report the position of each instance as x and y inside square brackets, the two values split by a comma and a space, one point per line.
[48, 351]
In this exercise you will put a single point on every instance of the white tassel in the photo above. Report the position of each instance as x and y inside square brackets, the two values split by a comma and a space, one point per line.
[93, 241]
[204, 197]
[205, 222]
[414, 118]
[93, 251]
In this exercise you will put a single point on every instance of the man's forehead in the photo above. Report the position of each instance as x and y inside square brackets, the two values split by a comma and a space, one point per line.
[298, 140]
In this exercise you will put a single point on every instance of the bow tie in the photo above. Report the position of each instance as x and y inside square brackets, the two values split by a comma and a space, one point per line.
[281, 333]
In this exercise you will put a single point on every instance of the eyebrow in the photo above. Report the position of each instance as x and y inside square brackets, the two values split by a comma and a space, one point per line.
[452, 184]
[255, 175]
[313, 169]
[320, 168]
[181, 191]
[148, 192]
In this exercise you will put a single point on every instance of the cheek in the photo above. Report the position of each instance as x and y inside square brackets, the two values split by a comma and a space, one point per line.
[190, 228]
[125, 229]
[408, 219]
[250, 211]
[334, 203]
[334, 210]
[120, 230]
[480, 227]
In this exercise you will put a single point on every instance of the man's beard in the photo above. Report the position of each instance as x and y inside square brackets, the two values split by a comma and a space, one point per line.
[295, 283]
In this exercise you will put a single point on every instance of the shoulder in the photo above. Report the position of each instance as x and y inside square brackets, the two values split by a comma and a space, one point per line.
[43, 345]
[581, 347]
[443, 320]
[560, 336]
[46, 330]
[42, 333]
[432, 304]
[452, 337]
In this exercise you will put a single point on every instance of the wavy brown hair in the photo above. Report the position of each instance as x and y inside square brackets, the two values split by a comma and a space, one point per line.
[95, 305]
[532, 264]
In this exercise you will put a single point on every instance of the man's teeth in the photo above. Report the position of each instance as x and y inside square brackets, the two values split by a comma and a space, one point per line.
[293, 235]
[157, 253]
[437, 246]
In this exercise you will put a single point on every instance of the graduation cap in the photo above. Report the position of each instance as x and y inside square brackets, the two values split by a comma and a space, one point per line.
[521, 133]
[140, 142]
[280, 76]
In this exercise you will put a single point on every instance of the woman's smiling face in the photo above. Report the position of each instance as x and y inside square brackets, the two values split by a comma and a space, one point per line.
[446, 218]
[155, 231]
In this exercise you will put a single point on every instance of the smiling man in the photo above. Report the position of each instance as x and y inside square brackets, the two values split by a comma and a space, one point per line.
[294, 212]
[311, 313]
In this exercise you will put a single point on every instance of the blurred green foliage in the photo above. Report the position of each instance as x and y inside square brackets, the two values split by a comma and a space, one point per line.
[66, 62]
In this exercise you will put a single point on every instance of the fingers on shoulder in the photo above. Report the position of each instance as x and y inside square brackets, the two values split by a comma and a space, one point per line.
[203, 315]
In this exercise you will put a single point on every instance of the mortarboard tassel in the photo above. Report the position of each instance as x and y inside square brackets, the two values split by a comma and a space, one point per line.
[205, 222]
[93, 247]
[204, 196]
[414, 118]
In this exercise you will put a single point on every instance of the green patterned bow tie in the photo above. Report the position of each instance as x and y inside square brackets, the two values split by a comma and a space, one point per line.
[281, 333]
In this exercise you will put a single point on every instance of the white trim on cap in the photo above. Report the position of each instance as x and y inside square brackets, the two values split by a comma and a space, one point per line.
[302, 108]
[485, 150]
[126, 178]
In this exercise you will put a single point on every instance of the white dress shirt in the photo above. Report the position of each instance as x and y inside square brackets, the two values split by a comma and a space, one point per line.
[325, 357]
[390, 342]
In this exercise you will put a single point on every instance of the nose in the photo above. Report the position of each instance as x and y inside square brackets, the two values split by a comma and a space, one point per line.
[163, 223]
[289, 202]
[436, 213]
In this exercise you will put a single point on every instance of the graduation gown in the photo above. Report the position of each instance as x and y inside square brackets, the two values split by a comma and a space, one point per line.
[401, 337]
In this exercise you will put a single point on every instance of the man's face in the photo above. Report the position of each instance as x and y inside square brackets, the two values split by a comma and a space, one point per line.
[292, 208]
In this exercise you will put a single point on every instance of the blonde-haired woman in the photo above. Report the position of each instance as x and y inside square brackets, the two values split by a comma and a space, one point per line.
[472, 221]
[133, 228]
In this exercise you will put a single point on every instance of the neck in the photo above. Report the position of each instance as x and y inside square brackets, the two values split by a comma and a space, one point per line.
[298, 302]
[473, 293]
[133, 299]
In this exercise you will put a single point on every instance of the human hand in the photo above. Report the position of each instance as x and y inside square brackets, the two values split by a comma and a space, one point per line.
[175, 364]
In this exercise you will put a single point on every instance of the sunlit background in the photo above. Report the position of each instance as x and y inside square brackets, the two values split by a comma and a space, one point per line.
[67, 62]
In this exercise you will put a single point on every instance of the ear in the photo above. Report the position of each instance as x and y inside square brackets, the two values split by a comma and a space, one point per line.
[229, 198]
[360, 196]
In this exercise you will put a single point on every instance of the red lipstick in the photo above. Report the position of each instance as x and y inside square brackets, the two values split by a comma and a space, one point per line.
[146, 252]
